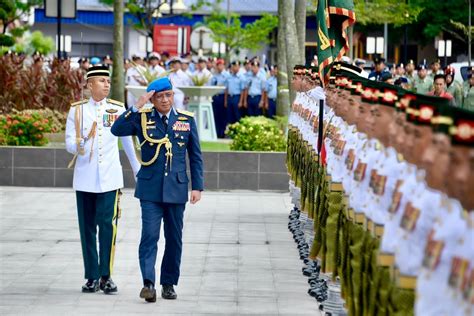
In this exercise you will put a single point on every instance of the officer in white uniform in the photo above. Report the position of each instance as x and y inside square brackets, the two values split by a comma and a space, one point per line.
[97, 176]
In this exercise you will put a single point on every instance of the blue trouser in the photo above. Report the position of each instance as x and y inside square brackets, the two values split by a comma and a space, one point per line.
[97, 210]
[220, 115]
[252, 103]
[233, 111]
[172, 215]
[271, 111]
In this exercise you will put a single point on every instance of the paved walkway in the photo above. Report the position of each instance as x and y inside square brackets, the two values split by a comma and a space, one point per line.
[238, 258]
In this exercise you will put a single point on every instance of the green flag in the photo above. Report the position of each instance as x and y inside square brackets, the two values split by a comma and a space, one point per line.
[334, 17]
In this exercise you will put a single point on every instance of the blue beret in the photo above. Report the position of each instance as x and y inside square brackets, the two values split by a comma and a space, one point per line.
[161, 84]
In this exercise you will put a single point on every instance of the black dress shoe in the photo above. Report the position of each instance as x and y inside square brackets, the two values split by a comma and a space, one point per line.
[148, 292]
[91, 286]
[108, 286]
[168, 293]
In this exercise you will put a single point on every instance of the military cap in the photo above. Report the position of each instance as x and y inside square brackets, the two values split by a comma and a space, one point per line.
[136, 57]
[98, 71]
[370, 91]
[379, 60]
[442, 119]
[462, 128]
[220, 61]
[400, 81]
[83, 60]
[255, 63]
[273, 67]
[107, 57]
[427, 108]
[421, 67]
[349, 70]
[388, 93]
[359, 61]
[95, 60]
[410, 61]
[153, 55]
[400, 65]
[161, 84]
[436, 61]
[235, 63]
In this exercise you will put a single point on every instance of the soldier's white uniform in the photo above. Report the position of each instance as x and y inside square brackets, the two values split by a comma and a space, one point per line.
[99, 169]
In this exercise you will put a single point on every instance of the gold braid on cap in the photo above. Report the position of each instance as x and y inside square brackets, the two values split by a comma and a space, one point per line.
[163, 141]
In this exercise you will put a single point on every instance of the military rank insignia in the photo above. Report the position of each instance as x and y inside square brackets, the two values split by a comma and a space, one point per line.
[181, 126]
[350, 159]
[459, 268]
[359, 172]
[468, 287]
[433, 251]
[379, 185]
[109, 119]
[111, 111]
[182, 118]
[410, 217]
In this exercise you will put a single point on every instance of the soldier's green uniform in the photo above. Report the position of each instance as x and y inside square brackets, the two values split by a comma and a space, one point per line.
[423, 86]
[468, 96]
[455, 89]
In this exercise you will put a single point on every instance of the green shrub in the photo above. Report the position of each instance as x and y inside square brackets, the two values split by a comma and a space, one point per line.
[57, 120]
[256, 134]
[24, 129]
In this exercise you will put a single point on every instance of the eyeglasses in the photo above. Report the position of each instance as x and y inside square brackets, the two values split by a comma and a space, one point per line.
[163, 96]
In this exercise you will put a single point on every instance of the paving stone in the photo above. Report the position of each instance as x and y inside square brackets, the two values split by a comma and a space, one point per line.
[238, 258]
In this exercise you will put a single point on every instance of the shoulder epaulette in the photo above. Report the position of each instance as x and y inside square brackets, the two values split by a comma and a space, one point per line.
[79, 102]
[185, 112]
[115, 102]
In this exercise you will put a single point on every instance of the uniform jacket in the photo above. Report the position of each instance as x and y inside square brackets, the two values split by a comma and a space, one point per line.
[156, 182]
[101, 171]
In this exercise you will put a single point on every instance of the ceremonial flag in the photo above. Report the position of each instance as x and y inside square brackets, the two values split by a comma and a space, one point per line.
[333, 17]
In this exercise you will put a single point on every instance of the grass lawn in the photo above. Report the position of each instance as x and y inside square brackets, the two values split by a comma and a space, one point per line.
[215, 146]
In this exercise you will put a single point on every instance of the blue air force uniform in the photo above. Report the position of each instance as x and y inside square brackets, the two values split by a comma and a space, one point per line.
[234, 84]
[271, 88]
[220, 117]
[256, 87]
[162, 182]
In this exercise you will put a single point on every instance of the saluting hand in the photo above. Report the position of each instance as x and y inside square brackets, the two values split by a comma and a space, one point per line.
[144, 99]
[195, 196]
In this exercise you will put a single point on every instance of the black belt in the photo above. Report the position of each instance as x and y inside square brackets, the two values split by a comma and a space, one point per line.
[233, 95]
[254, 96]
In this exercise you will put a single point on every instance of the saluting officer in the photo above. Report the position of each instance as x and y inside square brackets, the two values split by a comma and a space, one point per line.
[165, 134]
[97, 176]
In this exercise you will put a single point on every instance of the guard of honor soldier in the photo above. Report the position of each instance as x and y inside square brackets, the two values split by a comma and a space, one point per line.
[387, 194]
[98, 176]
[165, 135]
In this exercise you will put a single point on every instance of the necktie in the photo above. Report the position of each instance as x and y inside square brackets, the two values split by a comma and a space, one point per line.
[164, 119]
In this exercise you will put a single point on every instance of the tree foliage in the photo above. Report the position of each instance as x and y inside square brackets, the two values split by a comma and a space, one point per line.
[394, 12]
[146, 12]
[12, 10]
[235, 36]
[438, 14]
